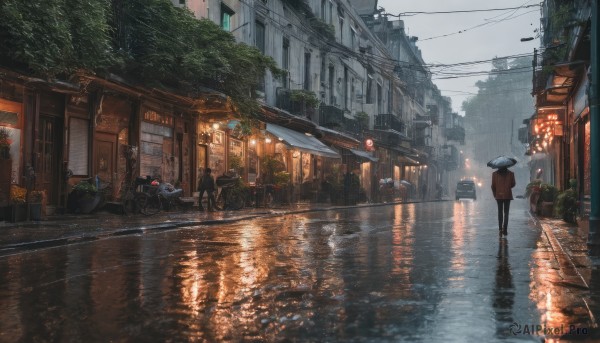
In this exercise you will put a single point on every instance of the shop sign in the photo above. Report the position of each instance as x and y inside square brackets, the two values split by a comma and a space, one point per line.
[155, 117]
[10, 118]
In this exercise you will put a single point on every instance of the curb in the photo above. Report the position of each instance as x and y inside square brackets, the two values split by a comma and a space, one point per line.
[82, 238]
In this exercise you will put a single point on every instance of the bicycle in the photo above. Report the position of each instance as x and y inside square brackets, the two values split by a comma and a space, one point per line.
[232, 195]
[134, 198]
[158, 198]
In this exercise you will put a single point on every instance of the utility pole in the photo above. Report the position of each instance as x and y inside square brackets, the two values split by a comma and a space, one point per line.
[594, 233]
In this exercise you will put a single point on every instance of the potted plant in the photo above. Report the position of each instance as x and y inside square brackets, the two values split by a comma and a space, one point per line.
[84, 197]
[268, 167]
[281, 180]
[548, 194]
[567, 203]
[363, 119]
[533, 187]
[35, 204]
[18, 208]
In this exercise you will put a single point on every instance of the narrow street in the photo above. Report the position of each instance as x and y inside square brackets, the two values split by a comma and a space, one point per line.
[409, 272]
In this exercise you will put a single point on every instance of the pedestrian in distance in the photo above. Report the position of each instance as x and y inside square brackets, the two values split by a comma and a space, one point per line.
[503, 181]
[207, 184]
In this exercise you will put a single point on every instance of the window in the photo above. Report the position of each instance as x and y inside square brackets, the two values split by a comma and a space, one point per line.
[226, 14]
[352, 91]
[307, 71]
[345, 87]
[78, 146]
[369, 89]
[182, 2]
[260, 36]
[285, 60]
[331, 82]
[323, 7]
[330, 21]
[352, 38]
[341, 30]
[379, 98]
[323, 75]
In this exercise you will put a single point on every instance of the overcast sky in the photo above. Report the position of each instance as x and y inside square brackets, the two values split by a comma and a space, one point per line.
[499, 34]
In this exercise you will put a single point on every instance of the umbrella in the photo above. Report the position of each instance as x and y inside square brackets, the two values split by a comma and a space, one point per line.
[502, 161]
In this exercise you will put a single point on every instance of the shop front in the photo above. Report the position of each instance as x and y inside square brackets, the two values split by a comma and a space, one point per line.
[304, 157]
[11, 128]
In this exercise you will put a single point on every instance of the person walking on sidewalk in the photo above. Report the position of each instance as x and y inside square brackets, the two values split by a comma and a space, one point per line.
[503, 180]
[207, 184]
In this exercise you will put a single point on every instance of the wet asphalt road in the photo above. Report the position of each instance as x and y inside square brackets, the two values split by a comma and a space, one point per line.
[425, 272]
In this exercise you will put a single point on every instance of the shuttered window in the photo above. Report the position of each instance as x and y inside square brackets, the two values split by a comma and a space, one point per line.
[78, 146]
[151, 147]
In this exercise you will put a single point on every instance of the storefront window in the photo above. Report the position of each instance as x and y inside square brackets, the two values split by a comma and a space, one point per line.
[216, 153]
[78, 146]
[252, 162]
[236, 156]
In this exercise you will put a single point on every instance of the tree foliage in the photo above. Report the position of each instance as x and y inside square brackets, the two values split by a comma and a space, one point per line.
[54, 37]
[502, 101]
[148, 41]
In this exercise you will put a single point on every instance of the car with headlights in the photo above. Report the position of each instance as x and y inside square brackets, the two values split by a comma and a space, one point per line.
[465, 189]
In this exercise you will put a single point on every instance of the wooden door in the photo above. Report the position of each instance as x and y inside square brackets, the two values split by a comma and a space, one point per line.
[105, 154]
[48, 156]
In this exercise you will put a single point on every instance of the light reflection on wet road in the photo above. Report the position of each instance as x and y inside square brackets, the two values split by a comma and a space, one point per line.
[416, 272]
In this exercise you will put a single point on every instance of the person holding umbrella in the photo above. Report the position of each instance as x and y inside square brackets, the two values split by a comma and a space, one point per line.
[503, 180]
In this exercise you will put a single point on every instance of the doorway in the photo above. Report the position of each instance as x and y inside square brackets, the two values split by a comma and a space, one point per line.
[104, 156]
[49, 146]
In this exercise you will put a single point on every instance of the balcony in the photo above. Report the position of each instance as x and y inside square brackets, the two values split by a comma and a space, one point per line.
[299, 105]
[455, 134]
[389, 122]
[333, 118]
[450, 157]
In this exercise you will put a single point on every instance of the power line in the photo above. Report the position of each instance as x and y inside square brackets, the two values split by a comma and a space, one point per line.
[475, 27]
[408, 14]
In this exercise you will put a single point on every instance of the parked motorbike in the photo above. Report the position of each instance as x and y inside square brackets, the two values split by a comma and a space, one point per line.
[161, 196]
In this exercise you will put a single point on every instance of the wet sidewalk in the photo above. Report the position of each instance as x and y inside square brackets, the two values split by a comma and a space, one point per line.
[578, 270]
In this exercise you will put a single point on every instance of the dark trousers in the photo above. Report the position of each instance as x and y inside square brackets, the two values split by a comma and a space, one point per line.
[503, 208]
[211, 202]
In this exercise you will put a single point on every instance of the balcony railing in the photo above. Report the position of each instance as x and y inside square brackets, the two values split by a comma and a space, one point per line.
[389, 122]
[284, 101]
[455, 134]
[333, 118]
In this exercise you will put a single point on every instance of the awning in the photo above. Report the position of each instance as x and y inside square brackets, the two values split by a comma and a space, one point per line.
[301, 141]
[407, 160]
[364, 155]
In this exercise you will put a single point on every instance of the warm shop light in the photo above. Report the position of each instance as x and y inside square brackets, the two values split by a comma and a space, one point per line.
[253, 142]
[267, 140]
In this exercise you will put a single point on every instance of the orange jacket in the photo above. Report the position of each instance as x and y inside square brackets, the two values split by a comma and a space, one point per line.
[502, 184]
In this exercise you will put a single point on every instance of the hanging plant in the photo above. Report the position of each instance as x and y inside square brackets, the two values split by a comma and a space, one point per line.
[362, 118]
[308, 97]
